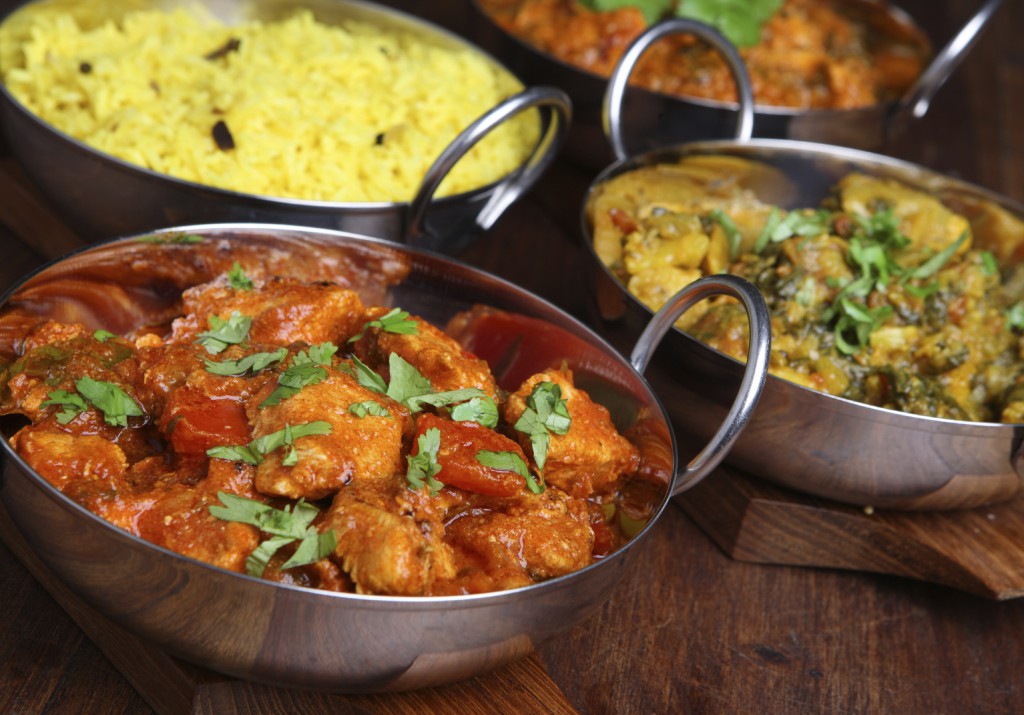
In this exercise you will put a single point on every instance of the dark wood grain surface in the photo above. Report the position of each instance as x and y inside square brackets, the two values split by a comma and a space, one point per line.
[690, 629]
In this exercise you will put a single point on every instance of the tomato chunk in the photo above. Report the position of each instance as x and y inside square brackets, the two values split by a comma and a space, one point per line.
[457, 456]
[196, 422]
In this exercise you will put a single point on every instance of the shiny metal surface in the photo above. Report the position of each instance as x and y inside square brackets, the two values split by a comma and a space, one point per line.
[293, 636]
[103, 196]
[806, 440]
[656, 120]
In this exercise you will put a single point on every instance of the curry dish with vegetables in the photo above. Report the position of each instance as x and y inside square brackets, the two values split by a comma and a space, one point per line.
[820, 54]
[287, 430]
[882, 294]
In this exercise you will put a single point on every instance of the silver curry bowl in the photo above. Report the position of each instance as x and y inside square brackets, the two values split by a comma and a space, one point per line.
[102, 196]
[651, 116]
[299, 637]
[810, 441]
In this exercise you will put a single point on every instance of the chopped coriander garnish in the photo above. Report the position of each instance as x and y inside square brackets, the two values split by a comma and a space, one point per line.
[254, 452]
[989, 262]
[317, 354]
[250, 363]
[510, 462]
[732, 233]
[934, 264]
[1015, 316]
[423, 466]
[395, 321]
[115, 404]
[285, 526]
[481, 410]
[410, 388]
[222, 333]
[237, 278]
[306, 369]
[368, 408]
[545, 413]
[103, 335]
[72, 405]
[652, 10]
[739, 20]
[293, 379]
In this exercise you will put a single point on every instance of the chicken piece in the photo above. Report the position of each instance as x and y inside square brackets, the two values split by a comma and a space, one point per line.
[520, 541]
[357, 448]
[283, 311]
[386, 552]
[63, 458]
[178, 517]
[591, 455]
[57, 356]
[437, 356]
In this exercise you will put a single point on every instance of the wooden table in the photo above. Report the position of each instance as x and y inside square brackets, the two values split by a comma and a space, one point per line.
[690, 629]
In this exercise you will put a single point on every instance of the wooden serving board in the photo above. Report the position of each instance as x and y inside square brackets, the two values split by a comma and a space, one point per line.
[980, 551]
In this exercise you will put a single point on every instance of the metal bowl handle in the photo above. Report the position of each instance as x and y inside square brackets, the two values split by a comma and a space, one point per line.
[612, 112]
[914, 104]
[754, 374]
[559, 116]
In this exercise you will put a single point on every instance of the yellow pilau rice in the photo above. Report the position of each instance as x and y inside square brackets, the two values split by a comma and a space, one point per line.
[315, 111]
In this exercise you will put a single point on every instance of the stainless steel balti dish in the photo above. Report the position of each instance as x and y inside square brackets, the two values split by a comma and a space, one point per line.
[290, 635]
[103, 194]
[819, 443]
[656, 119]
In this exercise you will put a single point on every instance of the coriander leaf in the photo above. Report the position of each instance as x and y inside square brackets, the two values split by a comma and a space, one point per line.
[1015, 316]
[772, 223]
[732, 233]
[368, 378]
[72, 405]
[293, 379]
[115, 404]
[257, 561]
[103, 335]
[395, 321]
[285, 526]
[237, 278]
[316, 354]
[652, 10]
[989, 263]
[406, 380]
[236, 453]
[368, 407]
[423, 466]
[240, 509]
[739, 20]
[545, 413]
[936, 262]
[254, 452]
[510, 462]
[223, 333]
[250, 363]
[481, 410]
[313, 547]
[442, 399]
[286, 437]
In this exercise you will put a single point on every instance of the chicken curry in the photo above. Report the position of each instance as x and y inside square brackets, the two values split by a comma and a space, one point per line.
[807, 54]
[287, 430]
